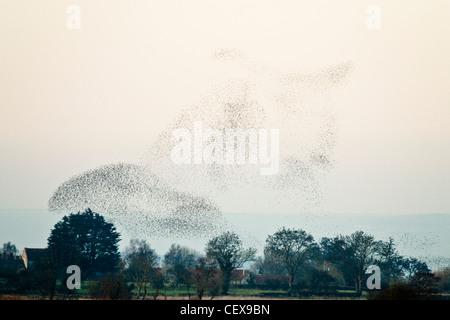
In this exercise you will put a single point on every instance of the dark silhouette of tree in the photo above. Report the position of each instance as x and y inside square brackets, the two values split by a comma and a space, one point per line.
[9, 249]
[390, 262]
[419, 287]
[353, 254]
[268, 265]
[141, 261]
[42, 277]
[292, 248]
[206, 278]
[397, 291]
[111, 286]
[361, 251]
[86, 240]
[228, 252]
[444, 282]
[424, 283]
[178, 262]
[320, 279]
[179, 255]
[333, 251]
[157, 280]
[411, 266]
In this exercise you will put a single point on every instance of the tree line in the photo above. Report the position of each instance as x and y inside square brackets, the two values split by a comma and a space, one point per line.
[292, 259]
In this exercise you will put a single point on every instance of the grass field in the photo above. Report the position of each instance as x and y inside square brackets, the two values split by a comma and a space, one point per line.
[242, 292]
[182, 293]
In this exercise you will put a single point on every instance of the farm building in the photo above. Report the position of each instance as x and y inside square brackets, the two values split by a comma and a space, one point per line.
[239, 277]
[31, 255]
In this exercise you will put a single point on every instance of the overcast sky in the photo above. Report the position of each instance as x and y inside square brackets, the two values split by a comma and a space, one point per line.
[72, 100]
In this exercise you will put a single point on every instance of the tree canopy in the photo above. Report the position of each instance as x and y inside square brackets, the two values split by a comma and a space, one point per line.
[141, 261]
[84, 239]
[291, 247]
[227, 250]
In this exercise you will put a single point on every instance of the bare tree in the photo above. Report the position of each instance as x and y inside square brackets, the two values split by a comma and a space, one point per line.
[157, 280]
[180, 255]
[141, 261]
[177, 262]
[204, 278]
[291, 247]
[228, 252]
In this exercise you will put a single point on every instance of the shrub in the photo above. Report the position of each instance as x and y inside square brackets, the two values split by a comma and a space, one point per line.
[110, 287]
[397, 291]
[444, 282]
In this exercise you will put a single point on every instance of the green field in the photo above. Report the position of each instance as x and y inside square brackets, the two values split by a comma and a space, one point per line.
[182, 291]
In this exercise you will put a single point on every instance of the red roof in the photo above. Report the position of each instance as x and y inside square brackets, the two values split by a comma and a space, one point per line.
[238, 275]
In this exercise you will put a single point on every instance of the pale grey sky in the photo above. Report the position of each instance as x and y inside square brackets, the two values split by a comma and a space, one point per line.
[72, 100]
